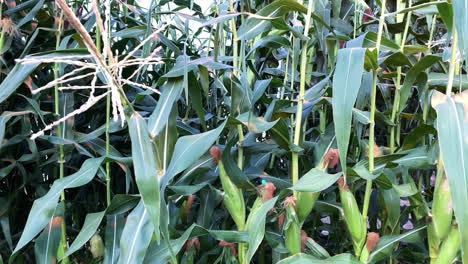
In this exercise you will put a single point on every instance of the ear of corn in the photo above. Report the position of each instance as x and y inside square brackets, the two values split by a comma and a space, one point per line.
[353, 218]
[442, 213]
[97, 246]
[450, 247]
[233, 197]
[442, 210]
[433, 242]
[233, 200]
[292, 228]
[305, 203]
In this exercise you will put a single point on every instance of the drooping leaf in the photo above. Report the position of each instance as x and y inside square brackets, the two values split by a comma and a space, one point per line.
[302, 258]
[121, 203]
[184, 64]
[346, 83]
[236, 175]
[21, 71]
[189, 149]
[315, 181]
[412, 76]
[253, 27]
[259, 89]
[90, 226]
[387, 241]
[43, 207]
[270, 41]
[255, 124]
[159, 253]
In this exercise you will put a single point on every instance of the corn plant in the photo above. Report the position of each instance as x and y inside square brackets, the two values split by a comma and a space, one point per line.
[233, 131]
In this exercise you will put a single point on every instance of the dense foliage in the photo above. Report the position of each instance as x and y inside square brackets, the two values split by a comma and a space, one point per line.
[249, 132]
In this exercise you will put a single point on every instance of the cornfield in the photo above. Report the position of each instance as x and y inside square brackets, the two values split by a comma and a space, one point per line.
[233, 131]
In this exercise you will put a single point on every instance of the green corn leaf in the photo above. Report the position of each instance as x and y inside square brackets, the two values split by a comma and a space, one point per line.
[47, 243]
[21, 71]
[346, 83]
[5, 117]
[460, 14]
[114, 228]
[188, 150]
[302, 258]
[136, 236]
[256, 227]
[253, 27]
[146, 169]
[387, 241]
[171, 92]
[91, 224]
[412, 76]
[452, 127]
[315, 181]
[159, 253]
[255, 124]
[43, 207]
[122, 203]
[270, 41]
[185, 65]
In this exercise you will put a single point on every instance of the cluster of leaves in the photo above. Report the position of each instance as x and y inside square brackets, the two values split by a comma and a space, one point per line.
[281, 87]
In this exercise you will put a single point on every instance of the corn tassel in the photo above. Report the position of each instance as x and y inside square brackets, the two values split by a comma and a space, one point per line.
[353, 218]
[450, 247]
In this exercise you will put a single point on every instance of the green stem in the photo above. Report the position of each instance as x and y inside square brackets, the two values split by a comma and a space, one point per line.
[396, 101]
[61, 160]
[300, 100]
[240, 152]
[372, 116]
[108, 179]
[2, 41]
[431, 36]
[453, 62]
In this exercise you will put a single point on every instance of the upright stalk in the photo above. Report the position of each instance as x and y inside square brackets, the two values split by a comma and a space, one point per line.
[240, 150]
[59, 133]
[372, 115]
[453, 62]
[396, 101]
[431, 36]
[235, 64]
[2, 33]
[108, 108]
[300, 99]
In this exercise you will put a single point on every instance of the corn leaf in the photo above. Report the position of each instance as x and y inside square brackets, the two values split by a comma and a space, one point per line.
[346, 83]
[146, 169]
[452, 127]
